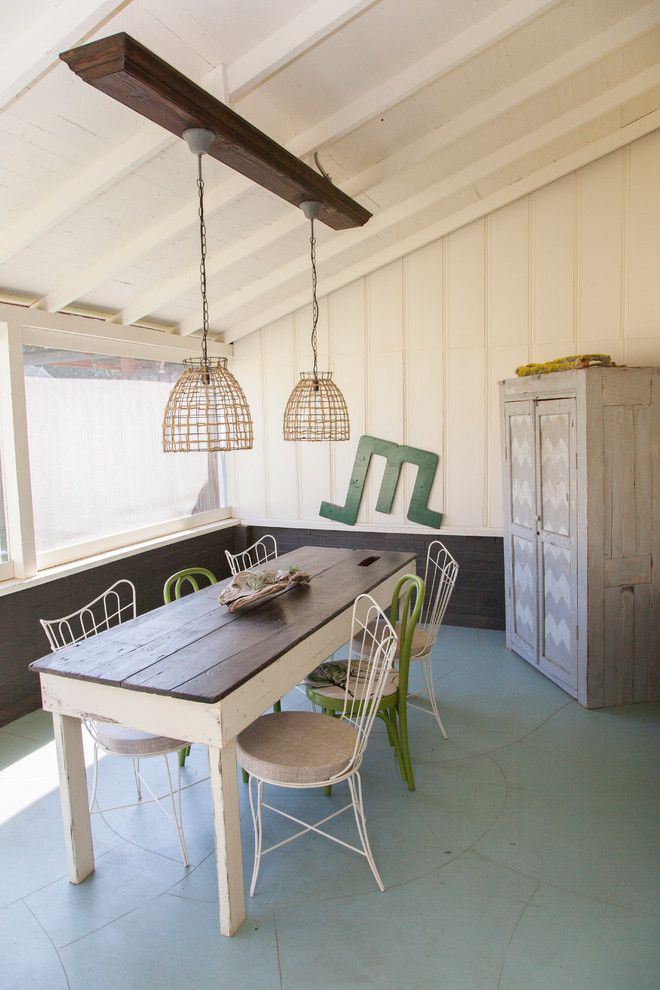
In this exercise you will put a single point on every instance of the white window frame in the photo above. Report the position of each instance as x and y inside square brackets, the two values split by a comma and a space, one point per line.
[20, 325]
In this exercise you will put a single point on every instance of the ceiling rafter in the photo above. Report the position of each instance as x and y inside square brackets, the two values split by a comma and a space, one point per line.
[285, 45]
[513, 151]
[38, 49]
[441, 61]
[433, 66]
[480, 114]
[495, 201]
[90, 328]
[256, 65]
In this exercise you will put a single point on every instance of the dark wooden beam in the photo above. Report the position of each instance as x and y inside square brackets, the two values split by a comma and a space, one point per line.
[128, 72]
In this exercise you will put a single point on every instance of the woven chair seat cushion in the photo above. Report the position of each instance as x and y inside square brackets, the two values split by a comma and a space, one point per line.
[131, 742]
[296, 747]
[356, 687]
[422, 643]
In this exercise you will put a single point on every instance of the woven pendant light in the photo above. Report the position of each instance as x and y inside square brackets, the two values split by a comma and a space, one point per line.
[316, 409]
[207, 409]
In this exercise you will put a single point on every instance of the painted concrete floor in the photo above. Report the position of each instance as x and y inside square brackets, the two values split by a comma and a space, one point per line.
[527, 857]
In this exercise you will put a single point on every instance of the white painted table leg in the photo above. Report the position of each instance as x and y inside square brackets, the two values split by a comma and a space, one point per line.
[227, 823]
[73, 794]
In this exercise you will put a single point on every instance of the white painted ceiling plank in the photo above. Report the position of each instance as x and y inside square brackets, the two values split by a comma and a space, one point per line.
[38, 49]
[479, 115]
[289, 42]
[485, 111]
[163, 292]
[82, 188]
[94, 179]
[104, 268]
[416, 203]
[509, 18]
[549, 173]
[448, 56]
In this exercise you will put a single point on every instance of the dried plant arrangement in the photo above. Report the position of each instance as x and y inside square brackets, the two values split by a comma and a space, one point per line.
[249, 587]
[569, 363]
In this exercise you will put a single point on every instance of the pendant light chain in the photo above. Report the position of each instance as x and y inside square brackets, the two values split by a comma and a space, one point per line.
[202, 265]
[315, 305]
[206, 411]
[316, 409]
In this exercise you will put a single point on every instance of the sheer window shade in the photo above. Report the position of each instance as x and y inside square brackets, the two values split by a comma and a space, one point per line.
[96, 458]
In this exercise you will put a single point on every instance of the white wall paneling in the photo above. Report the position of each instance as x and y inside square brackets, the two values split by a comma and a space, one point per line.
[279, 372]
[249, 470]
[385, 381]
[642, 297]
[418, 345]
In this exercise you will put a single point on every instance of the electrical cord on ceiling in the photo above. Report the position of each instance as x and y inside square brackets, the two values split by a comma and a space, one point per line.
[320, 167]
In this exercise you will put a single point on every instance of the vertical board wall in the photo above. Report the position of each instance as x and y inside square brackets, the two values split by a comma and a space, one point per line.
[419, 345]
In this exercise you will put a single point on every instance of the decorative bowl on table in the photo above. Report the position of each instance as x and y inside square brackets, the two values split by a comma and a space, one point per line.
[251, 587]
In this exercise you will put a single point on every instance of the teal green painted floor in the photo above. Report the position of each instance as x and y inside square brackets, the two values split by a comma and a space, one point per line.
[528, 857]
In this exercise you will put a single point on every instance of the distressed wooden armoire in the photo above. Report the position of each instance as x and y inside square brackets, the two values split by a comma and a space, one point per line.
[581, 474]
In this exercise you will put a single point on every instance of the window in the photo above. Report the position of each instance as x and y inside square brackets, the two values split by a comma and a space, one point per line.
[97, 466]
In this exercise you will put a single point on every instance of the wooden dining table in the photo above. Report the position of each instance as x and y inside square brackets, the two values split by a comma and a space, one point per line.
[194, 671]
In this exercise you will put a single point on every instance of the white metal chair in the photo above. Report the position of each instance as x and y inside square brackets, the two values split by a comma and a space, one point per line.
[440, 576]
[111, 608]
[260, 552]
[308, 749]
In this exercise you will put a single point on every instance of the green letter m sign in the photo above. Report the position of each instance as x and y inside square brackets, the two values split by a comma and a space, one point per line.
[396, 455]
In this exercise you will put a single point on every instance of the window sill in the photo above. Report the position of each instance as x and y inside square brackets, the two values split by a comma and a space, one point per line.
[98, 559]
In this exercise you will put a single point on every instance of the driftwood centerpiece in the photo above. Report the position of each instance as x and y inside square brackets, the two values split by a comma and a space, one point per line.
[249, 587]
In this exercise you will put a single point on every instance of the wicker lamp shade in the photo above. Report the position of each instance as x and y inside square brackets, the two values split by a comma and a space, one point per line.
[316, 410]
[207, 410]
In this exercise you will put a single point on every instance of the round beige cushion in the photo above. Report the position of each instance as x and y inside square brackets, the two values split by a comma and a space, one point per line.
[132, 742]
[296, 747]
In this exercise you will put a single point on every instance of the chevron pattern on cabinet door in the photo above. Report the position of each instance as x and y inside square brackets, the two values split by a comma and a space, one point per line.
[522, 469]
[523, 589]
[557, 605]
[555, 444]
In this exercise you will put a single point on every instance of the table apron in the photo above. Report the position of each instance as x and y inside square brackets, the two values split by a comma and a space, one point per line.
[191, 721]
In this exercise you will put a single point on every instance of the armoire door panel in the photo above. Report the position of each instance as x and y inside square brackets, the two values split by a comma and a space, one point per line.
[521, 446]
[557, 544]
[523, 557]
[554, 431]
[520, 554]
[558, 624]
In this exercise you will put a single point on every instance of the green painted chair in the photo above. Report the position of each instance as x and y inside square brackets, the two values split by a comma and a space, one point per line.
[173, 589]
[189, 575]
[405, 610]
